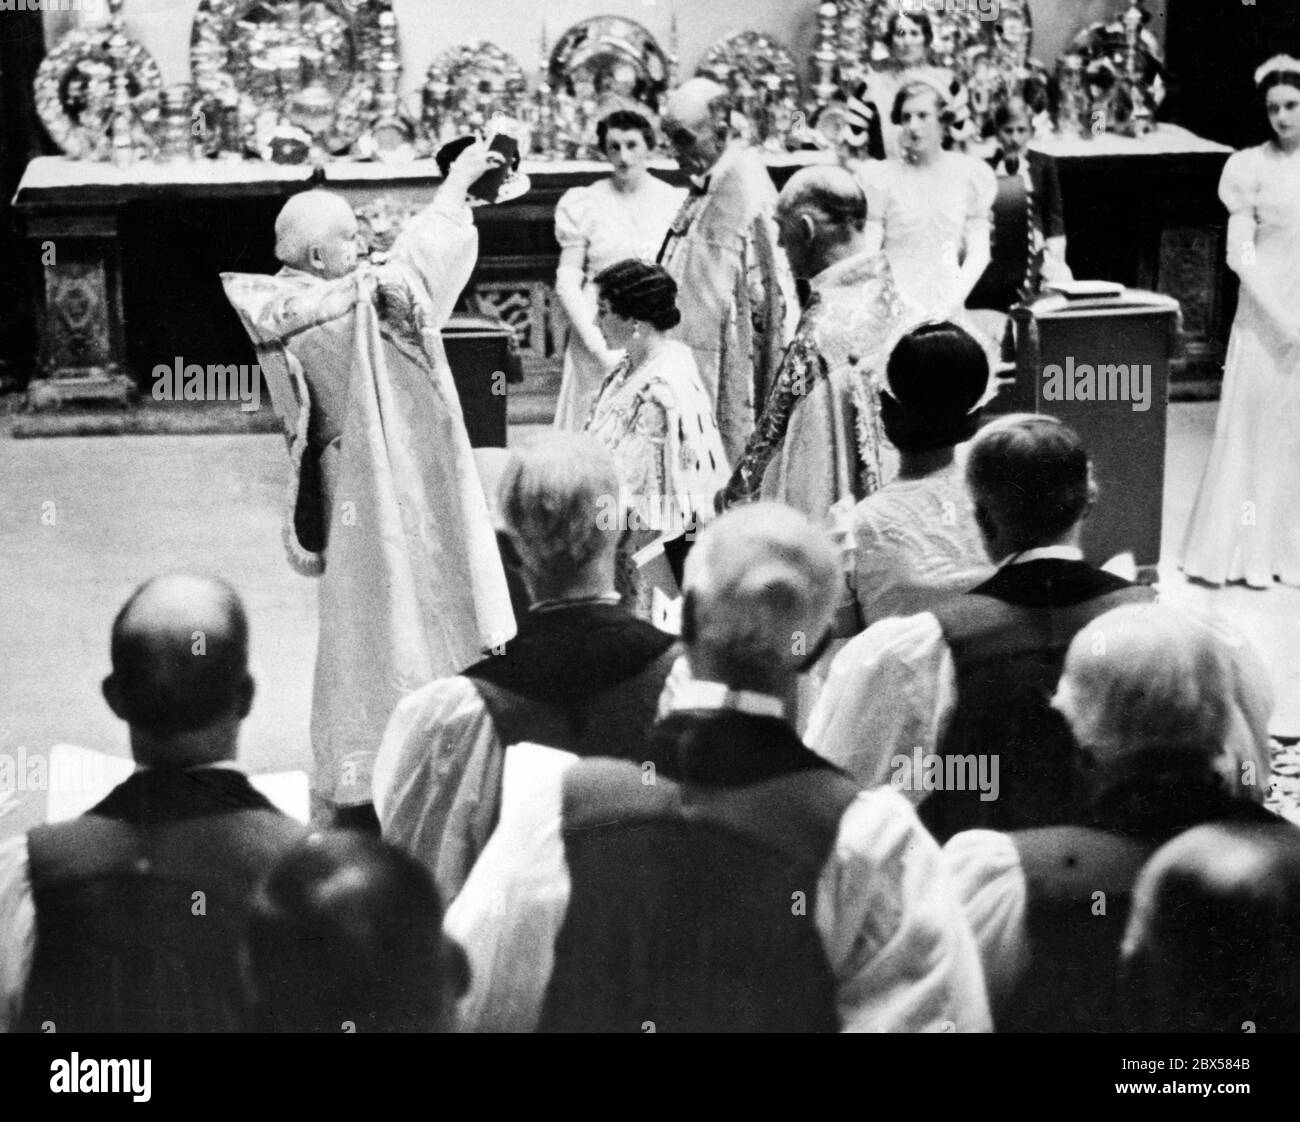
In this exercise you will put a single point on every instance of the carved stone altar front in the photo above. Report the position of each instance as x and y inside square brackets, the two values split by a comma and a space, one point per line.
[81, 356]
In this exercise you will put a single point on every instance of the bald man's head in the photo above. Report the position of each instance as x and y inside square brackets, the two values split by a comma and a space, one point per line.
[1214, 931]
[316, 231]
[180, 659]
[697, 118]
[820, 216]
[760, 588]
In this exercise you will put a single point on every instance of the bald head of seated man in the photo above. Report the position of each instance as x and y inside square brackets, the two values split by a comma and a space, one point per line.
[180, 675]
[129, 918]
[1213, 939]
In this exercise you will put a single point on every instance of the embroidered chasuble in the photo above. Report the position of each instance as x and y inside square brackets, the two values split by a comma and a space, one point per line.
[819, 439]
[386, 505]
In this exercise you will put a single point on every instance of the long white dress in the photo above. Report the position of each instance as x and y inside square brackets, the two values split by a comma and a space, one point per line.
[609, 226]
[929, 214]
[1245, 524]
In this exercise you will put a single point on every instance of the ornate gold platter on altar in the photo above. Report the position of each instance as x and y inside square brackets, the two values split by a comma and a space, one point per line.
[307, 64]
[608, 57]
[74, 91]
[751, 57]
[467, 85]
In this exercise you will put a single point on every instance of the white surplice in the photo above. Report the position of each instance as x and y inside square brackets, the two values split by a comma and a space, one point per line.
[901, 952]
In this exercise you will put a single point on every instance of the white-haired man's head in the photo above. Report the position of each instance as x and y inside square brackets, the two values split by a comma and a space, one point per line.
[316, 231]
[697, 123]
[760, 588]
[1147, 678]
[560, 503]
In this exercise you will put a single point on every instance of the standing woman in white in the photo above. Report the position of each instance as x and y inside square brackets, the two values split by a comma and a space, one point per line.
[626, 215]
[1245, 525]
[930, 210]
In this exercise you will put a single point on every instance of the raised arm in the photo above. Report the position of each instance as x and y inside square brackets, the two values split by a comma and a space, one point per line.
[440, 244]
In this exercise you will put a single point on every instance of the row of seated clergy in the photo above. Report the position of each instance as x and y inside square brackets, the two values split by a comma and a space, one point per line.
[1049, 905]
[593, 863]
[976, 670]
[733, 879]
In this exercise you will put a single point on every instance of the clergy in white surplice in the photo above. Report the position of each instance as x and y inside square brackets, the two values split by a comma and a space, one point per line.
[386, 505]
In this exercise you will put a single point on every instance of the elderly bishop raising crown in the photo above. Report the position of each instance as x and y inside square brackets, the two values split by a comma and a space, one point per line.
[387, 505]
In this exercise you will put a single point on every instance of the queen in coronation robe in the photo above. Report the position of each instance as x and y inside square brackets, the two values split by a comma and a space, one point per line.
[386, 506]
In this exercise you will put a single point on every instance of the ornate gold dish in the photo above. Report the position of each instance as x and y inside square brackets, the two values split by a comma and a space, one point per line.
[75, 92]
[466, 86]
[608, 58]
[306, 64]
[764, 83]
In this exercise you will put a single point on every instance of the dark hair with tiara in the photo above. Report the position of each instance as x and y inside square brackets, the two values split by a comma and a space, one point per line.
[645, 293]
[1280, 70]
[919, 18]
[624, 120]
[935, 377]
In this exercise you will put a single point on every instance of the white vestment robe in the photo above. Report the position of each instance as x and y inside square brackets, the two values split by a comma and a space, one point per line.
[412, 586]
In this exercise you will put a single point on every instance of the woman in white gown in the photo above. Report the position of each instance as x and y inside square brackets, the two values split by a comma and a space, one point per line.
[626, 215]
[1245, 524]
[931, 210]
[654, 414]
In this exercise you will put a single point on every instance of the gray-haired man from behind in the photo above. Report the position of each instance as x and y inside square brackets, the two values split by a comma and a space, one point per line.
[1149, 694]
[733, 880]
[582, 674]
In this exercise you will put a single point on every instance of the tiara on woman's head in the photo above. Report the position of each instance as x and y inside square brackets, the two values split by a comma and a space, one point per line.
[1277, 64]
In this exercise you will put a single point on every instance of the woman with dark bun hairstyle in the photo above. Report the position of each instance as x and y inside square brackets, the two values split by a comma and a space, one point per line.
[624, 215]
[1245, 525]
[916, 541]
[655, 416]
